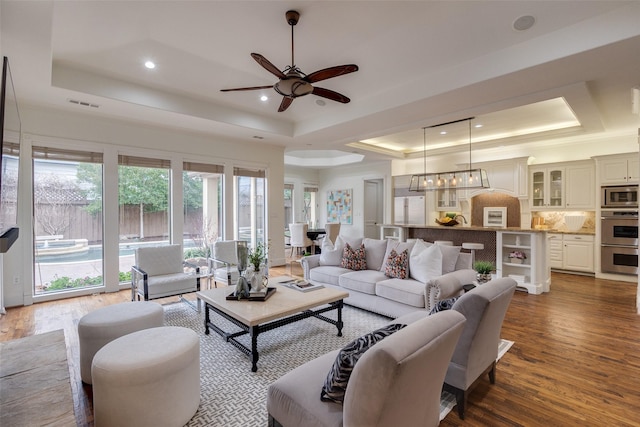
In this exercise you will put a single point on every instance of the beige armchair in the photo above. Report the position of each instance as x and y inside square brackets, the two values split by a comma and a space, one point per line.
[475, 355]
[159, 272]
[332, 231]
[397, 382]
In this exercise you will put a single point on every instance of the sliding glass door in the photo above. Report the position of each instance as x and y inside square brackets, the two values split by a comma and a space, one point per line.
[249, 192]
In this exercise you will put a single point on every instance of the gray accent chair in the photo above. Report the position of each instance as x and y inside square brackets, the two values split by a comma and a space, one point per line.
[397, 382]
[475, 355]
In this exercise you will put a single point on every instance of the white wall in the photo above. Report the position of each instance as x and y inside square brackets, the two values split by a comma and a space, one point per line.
[353, 177]
[40, 125]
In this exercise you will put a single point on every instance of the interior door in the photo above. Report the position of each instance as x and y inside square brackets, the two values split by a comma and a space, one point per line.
[373, 208]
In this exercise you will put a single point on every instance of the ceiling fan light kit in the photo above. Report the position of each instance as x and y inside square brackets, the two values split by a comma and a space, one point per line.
[293, 82]
[453, 180]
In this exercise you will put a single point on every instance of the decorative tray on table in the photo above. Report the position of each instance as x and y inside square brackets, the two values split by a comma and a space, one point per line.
[258, 297]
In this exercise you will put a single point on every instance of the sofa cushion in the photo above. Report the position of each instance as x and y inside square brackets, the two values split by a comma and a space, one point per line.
[354, 259]
[335, 385]
[425, 261]
[375, 251]
[327, 274]
[362, 281]
[397, 264]
[399, 247]
[405, 291]
[331, 254]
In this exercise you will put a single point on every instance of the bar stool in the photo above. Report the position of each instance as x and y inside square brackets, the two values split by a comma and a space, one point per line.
[473, 247]
[443, 242]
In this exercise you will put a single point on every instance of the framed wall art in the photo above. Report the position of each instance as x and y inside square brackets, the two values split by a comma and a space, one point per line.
[340, 206]
[495, 217]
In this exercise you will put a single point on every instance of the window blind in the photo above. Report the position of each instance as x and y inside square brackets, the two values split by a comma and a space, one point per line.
[254, 173]
[48, 153]
[202, 167]
[143, 162]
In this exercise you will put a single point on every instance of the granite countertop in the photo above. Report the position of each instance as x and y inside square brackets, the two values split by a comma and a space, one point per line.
[463, 227]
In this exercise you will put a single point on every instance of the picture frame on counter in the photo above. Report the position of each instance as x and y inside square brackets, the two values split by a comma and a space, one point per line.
[495, 217]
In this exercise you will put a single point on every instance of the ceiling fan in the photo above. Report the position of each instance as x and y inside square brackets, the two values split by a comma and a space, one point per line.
[293, 82]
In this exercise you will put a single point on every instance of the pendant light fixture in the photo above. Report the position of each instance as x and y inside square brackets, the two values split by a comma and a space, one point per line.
[453, 180]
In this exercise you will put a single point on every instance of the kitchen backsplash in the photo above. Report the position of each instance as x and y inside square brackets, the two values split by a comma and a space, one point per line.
[555, 220]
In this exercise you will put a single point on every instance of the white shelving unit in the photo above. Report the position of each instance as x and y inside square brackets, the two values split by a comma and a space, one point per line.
[534, 273]
[395, 232]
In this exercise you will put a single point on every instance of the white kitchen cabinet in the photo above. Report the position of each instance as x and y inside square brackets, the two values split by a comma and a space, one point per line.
[578, 250]
[580, 187]
[447, 200]
[533, 274]
[568, 185]
[555, 250]
[547, 188]
[571, 252]
[620, 170]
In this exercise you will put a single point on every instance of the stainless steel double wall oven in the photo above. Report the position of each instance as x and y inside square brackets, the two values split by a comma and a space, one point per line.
[619, 230]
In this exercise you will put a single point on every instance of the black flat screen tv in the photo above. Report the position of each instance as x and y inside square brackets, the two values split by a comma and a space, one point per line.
[10, 159]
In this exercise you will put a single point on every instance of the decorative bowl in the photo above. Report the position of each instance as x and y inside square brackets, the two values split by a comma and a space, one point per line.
[574, 222]
[448, 224]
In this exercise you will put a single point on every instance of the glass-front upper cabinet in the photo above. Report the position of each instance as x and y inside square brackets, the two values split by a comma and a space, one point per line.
[547, 188]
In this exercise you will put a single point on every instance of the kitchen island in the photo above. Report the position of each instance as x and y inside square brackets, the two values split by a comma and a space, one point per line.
[533, 273]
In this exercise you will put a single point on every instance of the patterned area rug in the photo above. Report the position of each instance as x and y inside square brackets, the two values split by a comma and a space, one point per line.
[232, 395]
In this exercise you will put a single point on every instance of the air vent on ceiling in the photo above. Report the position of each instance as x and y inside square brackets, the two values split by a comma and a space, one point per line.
[83, 103]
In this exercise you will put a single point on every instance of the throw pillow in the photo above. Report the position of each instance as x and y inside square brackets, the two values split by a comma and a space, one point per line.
[397, 265]
[399, 247]
[449, 257]
[425, 261]
[354, 259]
[444, 304]
[376, 249]
[335, 386]
[331, 254]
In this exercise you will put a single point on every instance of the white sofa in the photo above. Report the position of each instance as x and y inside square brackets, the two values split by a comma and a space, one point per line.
[435, 273]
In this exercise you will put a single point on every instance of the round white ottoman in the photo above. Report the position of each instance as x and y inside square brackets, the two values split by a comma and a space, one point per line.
[147, 378]
[101, 326]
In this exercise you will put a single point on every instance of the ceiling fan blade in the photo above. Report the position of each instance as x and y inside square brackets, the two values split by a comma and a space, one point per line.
[268, 65]
[286, 101]
[329, 94]
[246, 88]
[331, 72]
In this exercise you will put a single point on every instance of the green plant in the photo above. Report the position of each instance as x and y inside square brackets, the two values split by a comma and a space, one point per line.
[196, 253]
[483, 267]
[64, 282]
[258, 255]
[124, 276]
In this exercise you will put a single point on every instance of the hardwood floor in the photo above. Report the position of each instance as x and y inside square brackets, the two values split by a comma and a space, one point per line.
[575, 361]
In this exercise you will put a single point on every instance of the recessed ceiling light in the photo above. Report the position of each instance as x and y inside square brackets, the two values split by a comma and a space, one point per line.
[150, 65]
[524, 23]
[320, 102]
[264, 98]
[444, 132]
[478, 125]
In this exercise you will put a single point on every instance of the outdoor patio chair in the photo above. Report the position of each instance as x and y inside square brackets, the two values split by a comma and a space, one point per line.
[159, 272]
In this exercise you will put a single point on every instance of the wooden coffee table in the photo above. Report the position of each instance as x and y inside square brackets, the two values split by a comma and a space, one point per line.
[286, 306]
